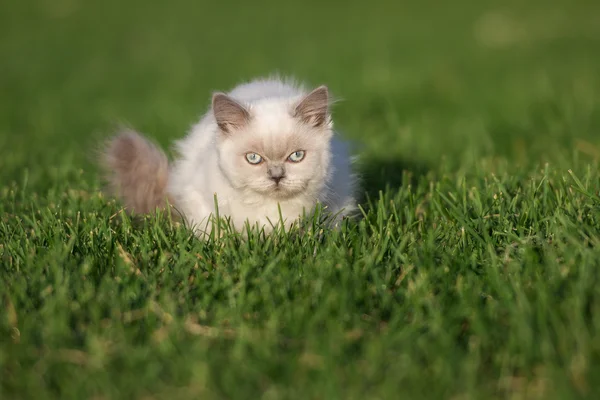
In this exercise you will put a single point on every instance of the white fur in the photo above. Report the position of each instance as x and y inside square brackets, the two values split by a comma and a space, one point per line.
[213, 163]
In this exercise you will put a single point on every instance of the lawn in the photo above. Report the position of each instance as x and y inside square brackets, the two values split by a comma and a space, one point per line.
[472, 273]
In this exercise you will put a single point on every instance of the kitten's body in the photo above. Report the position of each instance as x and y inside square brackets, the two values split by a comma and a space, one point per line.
[271, 119]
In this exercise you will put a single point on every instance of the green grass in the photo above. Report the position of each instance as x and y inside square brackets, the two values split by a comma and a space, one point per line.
[474, 273]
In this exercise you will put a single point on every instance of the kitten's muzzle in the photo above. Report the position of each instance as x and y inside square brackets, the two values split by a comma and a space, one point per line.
[276, 173]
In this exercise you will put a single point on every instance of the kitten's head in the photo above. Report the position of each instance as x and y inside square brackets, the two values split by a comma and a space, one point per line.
[275, 147]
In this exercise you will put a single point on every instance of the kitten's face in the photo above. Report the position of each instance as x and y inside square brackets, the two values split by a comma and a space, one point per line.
[276, 149]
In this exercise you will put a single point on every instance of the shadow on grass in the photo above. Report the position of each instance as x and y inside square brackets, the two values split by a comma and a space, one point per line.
[386, 175]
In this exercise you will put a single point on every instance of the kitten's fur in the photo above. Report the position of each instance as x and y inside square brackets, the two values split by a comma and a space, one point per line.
[270, 117]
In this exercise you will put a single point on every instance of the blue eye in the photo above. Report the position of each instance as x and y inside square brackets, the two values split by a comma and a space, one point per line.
[296, 156]
[253, 158]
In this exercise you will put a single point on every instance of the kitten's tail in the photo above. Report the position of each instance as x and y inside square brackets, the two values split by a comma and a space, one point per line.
[137, 172]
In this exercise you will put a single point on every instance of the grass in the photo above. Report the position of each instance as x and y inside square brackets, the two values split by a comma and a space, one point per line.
[474, 272]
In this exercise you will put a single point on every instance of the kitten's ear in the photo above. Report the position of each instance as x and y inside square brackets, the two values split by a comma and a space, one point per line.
[313, 109]
[229, 113]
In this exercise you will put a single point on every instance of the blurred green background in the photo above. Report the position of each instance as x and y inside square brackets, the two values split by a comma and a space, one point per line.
[421, 81]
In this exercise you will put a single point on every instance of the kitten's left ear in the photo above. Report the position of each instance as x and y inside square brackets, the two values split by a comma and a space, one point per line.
[313, 109]
[229, 114]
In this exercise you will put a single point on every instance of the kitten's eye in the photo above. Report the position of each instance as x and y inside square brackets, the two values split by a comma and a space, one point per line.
[296, 156]
[253, 158]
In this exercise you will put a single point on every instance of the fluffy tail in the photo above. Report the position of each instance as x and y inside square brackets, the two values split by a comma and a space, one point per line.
[137, 172]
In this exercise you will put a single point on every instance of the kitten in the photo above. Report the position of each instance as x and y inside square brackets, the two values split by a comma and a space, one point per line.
[266, 149]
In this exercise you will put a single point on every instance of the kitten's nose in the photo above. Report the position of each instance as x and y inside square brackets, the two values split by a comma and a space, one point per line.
[276, 173]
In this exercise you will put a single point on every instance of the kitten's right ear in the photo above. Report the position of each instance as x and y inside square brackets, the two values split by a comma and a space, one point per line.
[313, 109]
[230, 114]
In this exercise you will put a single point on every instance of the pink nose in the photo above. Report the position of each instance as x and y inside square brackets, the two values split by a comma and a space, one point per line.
[276, 173]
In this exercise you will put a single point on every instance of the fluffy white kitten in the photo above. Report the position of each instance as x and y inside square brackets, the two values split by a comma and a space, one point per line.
[266, 150]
